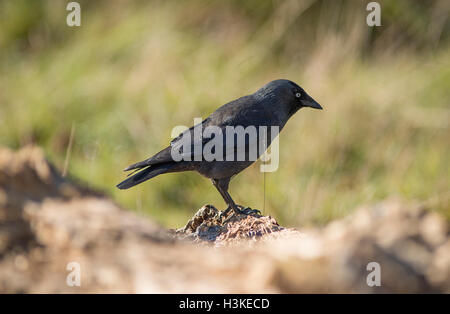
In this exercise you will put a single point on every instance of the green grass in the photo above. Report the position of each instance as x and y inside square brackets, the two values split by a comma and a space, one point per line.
[133, 71]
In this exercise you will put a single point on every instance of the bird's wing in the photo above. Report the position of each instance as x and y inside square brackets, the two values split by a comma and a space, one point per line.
[244, 111]
[165, 155]
[189, 131]
[189, 143]
[240, 112]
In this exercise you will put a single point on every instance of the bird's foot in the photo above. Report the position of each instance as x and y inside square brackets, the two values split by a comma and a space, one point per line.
[250, 211]
[238, 210]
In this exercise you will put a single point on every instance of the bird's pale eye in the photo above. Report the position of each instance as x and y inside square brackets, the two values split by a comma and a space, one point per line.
[298, 95]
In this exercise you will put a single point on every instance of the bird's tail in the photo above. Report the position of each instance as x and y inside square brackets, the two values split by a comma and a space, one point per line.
[145, 174]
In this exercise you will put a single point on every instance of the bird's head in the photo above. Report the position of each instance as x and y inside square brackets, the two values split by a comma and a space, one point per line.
[289, 93]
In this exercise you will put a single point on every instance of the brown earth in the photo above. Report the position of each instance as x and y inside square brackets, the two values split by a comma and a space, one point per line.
[47, 222]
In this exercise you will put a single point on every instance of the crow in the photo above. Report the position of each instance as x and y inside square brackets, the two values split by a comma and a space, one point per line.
[271, 105]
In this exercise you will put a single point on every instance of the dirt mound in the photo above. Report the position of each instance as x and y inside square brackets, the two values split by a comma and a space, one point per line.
[49, 224]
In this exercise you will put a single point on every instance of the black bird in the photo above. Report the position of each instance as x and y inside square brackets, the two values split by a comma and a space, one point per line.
[272, 105]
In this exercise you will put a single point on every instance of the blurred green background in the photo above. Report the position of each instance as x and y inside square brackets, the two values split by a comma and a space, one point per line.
[136, 69]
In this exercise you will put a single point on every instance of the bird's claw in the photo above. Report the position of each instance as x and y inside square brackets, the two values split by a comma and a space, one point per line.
[249, 211]
[239, 210]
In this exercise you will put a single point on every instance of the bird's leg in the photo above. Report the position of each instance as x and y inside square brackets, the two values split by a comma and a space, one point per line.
[222, 186]
[232, 204]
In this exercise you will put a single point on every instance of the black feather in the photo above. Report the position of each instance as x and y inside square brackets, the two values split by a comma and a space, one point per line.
[144, 175]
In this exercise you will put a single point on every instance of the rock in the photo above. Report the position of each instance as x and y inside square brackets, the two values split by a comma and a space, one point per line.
[208, 226]
[48, 225]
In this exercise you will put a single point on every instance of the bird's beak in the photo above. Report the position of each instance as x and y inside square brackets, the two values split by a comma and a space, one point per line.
[310, 102]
